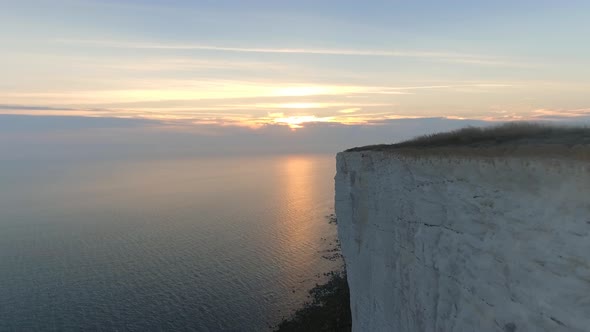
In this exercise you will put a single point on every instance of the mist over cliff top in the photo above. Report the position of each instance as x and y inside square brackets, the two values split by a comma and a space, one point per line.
[514, 135]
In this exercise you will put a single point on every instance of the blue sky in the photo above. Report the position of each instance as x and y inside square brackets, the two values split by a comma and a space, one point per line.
[291, 63]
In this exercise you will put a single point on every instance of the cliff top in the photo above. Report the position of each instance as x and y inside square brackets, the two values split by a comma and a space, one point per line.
[510, 135]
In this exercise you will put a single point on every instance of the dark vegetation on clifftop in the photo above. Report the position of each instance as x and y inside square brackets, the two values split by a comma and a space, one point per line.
[505, 135]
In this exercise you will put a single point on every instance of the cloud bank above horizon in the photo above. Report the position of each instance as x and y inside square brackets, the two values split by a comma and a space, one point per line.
[226, 64]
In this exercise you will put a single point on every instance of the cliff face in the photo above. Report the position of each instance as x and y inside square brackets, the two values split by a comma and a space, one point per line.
[481, 243]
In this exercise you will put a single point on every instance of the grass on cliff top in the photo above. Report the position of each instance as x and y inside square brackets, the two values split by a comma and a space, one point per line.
[509, 134]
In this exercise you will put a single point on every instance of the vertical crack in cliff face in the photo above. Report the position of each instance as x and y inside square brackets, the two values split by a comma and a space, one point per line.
[464, 244]
[360, 210]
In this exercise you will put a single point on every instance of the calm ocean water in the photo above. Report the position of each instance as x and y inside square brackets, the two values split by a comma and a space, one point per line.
[225, 244]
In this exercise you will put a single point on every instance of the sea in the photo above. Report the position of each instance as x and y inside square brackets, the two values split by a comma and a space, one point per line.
[200, 244]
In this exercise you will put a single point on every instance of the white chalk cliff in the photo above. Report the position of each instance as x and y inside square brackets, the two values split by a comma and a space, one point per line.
[443, 242]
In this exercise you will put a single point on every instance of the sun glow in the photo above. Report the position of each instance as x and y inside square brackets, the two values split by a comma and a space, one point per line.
[301, 91]
[301, 105]
[296, 122]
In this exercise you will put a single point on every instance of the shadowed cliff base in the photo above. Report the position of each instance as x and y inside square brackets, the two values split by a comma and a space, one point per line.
[328, 311]
[511, 138]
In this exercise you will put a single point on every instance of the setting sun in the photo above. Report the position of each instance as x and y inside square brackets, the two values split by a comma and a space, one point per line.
[296, 122]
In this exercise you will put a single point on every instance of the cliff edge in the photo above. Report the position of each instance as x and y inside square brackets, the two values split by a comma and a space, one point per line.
[482, 234]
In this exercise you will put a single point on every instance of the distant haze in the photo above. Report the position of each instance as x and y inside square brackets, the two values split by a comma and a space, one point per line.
[61, 137]
[34, 137]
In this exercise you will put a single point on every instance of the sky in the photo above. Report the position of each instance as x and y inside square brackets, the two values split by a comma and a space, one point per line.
[219, 66]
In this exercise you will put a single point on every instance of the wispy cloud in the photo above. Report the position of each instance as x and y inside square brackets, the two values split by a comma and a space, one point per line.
[475, 59]
[197, 92]
[561, 113]
[32, 108]
[303, 105]
[220, 102]
[170, 64]
[446, 86]
[349, 110]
